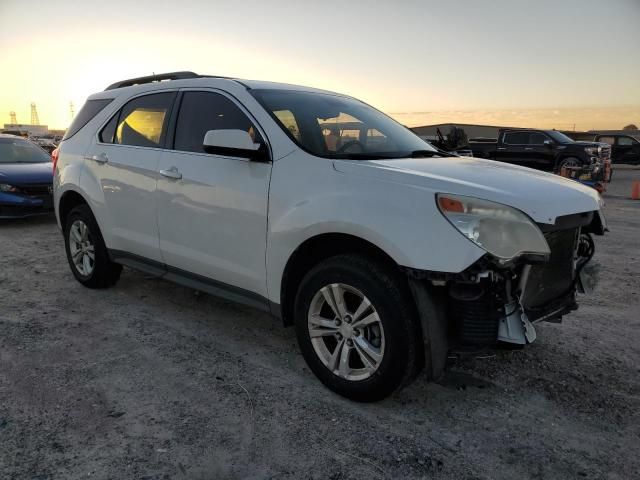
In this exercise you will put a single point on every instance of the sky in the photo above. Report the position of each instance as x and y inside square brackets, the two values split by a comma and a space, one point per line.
[545, 63]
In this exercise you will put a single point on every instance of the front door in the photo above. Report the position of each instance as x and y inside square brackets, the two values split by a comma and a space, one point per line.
[212, 209]
[540, 155]
[124, 161]
[512, 147]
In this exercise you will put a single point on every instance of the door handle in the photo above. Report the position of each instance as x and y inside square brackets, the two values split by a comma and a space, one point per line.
[171, 173]
[100, 158]
[502, 148]
[528, 148]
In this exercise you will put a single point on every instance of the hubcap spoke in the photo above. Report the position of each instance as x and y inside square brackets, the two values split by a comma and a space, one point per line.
[368, 320]
[332, 364]
[338, 296]
[322, 327]
[343, 368]
[86, 264]
[363, 307]
[75, 232]
[369, 350]
[83, 231]
[328, 297]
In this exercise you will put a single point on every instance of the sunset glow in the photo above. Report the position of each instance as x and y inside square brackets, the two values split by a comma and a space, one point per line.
[422, 62]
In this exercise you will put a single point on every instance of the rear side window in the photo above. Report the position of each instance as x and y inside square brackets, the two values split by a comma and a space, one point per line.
[142, 122]
[204, 111]
[89, 110]
[109, 130]
[516, 138]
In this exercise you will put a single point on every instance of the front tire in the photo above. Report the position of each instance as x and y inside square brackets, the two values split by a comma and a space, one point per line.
[86, 252]
[357, 327]
[569, 162]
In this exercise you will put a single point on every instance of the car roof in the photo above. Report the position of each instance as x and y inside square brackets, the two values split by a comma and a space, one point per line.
[149, 84]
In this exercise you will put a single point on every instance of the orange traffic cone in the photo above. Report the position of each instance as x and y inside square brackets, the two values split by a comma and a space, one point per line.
[635, 190]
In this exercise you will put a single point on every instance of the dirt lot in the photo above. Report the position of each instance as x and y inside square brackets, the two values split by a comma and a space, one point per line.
[150, 380]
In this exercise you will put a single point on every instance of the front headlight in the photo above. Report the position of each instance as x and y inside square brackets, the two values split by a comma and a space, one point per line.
[502, 231]
[5, 187]
[593, 150]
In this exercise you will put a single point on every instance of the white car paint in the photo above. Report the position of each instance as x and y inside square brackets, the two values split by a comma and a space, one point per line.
[238, 222]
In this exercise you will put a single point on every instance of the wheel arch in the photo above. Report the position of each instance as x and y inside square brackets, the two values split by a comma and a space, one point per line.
[68, 201]
[314, 250]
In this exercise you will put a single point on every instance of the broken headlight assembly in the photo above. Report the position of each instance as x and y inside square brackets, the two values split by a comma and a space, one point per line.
[504, 232]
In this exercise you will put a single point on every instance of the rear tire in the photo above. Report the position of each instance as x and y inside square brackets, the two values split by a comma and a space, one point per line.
[361, 352]
[86, 252]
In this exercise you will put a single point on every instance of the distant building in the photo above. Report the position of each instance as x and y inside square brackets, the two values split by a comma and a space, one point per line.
[31, 130]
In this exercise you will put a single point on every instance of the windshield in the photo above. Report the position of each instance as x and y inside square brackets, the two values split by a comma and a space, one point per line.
[559, 137]
[333, 126]
[16, 150]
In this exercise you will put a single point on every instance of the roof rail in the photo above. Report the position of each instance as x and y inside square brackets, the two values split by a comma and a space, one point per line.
[152, 78]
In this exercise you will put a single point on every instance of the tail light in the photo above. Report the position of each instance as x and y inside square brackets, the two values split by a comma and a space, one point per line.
[54, 159]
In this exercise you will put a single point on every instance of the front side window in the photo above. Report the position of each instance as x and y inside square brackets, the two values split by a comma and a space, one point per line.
[536, 138]
[17, 150]
[334, 126]
[626, 141]
[142, 122]
[609, 140]
[204, 111]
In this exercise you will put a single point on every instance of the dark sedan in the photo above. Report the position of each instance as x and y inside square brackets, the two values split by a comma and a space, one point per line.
[26, 178]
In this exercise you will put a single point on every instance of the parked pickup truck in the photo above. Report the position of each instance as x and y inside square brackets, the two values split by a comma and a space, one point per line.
[624, 148]
[547, 150]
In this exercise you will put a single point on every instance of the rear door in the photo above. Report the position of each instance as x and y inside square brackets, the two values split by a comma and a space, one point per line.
[512, 147]
[123, 161]
[212, 209]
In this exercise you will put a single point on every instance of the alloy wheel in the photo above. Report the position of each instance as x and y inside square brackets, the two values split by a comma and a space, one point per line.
[346, 332]
[81, 248]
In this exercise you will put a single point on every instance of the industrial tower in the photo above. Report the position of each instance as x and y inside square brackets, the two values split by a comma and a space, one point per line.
[34, 115]
[71, 111]
[12, 118]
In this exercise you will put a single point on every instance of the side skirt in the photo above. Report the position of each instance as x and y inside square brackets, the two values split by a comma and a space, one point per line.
[197, 282]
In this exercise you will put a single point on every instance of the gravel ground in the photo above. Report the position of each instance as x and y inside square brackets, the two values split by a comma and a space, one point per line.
[151, 380]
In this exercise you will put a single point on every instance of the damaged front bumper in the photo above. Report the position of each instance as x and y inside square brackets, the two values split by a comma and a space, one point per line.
[492, 303]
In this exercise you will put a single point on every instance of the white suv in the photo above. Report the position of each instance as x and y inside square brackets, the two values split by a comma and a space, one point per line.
[386, 254]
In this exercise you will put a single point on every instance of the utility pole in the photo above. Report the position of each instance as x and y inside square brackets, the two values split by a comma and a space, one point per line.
[71, 111]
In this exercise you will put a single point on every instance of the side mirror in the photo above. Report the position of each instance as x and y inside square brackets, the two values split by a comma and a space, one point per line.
[548, 143]
[234, 143]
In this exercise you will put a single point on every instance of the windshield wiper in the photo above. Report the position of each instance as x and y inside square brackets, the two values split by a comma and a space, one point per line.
[430, 153]
[362, 156]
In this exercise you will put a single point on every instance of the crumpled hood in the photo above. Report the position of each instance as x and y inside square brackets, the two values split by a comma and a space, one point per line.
[543, 196]
[26, 173]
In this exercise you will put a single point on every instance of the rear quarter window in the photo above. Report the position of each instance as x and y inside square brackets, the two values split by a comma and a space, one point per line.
[89, 110]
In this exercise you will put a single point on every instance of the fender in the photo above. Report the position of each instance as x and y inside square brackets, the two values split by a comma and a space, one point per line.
[403, 221]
